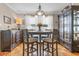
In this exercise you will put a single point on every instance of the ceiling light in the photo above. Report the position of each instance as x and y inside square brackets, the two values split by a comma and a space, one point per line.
[40, 12]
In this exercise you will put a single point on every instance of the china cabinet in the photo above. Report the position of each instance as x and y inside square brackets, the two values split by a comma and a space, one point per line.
[69, 27]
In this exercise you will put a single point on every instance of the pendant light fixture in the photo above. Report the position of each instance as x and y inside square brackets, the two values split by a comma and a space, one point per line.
[40, 12]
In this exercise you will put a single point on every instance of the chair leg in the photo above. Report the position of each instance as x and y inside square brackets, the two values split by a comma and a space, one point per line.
[23, 48]
[56, 48]
[28, 49]
[32, 49]
[43, 48]
[37, 48]
[52, 50]
[48, 48]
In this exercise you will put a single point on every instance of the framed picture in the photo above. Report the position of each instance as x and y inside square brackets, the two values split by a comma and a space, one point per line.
[7, 19]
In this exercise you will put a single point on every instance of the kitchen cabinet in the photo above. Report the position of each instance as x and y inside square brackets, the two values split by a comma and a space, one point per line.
[10, 39]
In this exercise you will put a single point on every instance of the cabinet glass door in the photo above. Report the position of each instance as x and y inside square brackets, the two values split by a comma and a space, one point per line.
[67, 28]
[61, 27]
[76, 25]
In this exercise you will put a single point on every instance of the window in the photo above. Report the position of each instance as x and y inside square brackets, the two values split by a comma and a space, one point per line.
[29, 20]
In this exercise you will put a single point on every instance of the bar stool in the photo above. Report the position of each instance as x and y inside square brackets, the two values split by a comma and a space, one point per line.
[50, 45]
[31, 45]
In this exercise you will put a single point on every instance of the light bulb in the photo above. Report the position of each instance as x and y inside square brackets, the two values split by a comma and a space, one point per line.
[43, 16]
[39, 13]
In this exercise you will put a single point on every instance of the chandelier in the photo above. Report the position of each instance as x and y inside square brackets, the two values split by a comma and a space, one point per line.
[40, 12]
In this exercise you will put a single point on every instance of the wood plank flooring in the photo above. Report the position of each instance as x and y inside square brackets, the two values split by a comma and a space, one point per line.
[18, 51]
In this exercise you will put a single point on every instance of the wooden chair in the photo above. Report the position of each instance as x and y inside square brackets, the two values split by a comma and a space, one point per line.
[50, 45]
[30, 44]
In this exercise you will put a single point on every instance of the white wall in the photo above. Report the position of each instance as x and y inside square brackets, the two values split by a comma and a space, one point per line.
[6, 11]
[55, 21]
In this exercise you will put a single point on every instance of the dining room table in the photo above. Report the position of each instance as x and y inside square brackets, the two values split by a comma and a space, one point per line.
[39, 33]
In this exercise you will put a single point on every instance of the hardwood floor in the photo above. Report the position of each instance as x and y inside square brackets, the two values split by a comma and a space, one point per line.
[18, 52]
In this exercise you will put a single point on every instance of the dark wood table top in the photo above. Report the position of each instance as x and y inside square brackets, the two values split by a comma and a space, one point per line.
[40, 32]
